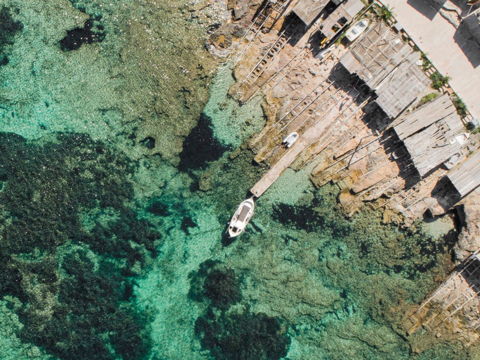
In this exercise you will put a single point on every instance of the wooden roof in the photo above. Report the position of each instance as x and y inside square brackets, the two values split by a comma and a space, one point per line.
[308, 10]
[388, 66]
[346, 10]
[466, 176]
[434, 145]
[424, 116]
[429, 134]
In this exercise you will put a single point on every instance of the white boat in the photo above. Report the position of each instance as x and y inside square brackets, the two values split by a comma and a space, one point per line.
[290, 139]
[356, 30]
[241, 218]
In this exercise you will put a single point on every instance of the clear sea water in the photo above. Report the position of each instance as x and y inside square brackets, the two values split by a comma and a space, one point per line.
[122, 159]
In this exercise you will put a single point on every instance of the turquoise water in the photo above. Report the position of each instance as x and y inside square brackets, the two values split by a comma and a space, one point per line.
[122, 159]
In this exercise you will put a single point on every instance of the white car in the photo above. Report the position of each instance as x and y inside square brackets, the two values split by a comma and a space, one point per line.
[356, 30]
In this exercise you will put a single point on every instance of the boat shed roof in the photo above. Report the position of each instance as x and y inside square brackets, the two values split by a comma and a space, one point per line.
[434, 145]
[388, 66]
[466, 176]
[346, 10]
[424, 116]
[429, 134]
[308, 10]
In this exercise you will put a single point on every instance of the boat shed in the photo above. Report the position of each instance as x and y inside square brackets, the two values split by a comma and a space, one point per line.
[388, 66]
[432, 134]
[424, 116]
[466, 176]
[309, 10]
[340, 17]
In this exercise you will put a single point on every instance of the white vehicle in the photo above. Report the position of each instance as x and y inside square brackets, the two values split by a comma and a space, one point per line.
[289, 140]
[322, 54]
[356, 30]
[241, 218]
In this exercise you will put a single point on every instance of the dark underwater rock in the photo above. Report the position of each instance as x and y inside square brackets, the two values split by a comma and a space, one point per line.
[75, 284]
[148, 142]
[187, 224]
[200, 146]
[91, 32]
[244, 336]
[158, 208]
[215, 283]
[300, 217]
[9, 27]
[310, 217]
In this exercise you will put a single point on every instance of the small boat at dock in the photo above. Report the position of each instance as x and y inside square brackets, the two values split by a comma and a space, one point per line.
[289, 140]
[241, 217]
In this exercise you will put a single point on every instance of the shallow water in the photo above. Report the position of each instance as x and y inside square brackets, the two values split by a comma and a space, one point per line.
[116, 189]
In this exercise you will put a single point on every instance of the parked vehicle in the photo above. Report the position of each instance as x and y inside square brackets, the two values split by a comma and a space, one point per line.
[356, 30]
[324, 52]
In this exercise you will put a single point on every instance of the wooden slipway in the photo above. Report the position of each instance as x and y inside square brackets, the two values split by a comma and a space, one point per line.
[305, 140]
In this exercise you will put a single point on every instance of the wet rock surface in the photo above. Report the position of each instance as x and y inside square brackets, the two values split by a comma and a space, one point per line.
[469, 238]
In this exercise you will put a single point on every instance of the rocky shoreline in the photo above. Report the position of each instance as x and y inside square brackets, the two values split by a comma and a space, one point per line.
[385, 187]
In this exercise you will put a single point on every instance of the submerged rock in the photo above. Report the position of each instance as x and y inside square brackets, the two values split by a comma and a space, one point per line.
[91, 32]
[245, 336]
[9, 27]
[74, 280]
[215, 283]
[200, 146]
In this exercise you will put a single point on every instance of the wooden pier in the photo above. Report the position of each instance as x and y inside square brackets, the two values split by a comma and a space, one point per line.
[316, 132]
[311, 128]
[288, 158]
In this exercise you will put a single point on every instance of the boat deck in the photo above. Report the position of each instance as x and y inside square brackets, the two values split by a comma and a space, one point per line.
[244, 213]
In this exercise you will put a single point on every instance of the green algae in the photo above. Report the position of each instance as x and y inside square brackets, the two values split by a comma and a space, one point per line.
[9, 27]
[244, 336]
[219, 285]
[11, 346]
[74, 286]
[228, 333]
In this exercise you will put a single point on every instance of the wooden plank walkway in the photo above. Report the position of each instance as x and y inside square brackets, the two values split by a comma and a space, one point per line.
[307, 139]
[314, 133]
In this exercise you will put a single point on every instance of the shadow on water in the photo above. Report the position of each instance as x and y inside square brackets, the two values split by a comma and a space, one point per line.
[226, 239]
[445, 193]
